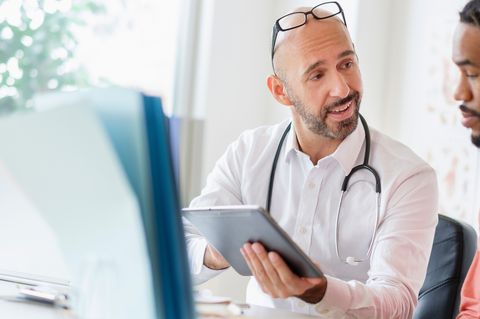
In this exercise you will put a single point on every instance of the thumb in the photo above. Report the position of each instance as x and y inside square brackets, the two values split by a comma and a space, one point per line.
[314, 281]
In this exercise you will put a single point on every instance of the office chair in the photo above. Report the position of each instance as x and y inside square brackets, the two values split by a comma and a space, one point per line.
[453, 250]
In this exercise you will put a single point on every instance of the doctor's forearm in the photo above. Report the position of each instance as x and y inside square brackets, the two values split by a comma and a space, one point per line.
[357, 300]
[315, 294]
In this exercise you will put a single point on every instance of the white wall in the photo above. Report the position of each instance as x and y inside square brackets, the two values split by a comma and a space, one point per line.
[233, 82]
[420, 110]
[232, 93]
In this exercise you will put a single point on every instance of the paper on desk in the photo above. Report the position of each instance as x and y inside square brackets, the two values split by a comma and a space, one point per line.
[206, 299]
[210, 306]
[229, 310]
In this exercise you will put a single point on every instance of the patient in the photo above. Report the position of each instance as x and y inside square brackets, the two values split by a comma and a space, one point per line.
[466, 54]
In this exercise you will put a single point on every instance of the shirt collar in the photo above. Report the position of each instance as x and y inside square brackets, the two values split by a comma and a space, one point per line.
[346, 153]
[291, 143]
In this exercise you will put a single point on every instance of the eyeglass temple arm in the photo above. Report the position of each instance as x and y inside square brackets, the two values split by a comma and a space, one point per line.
[274, 39]
[343, 16]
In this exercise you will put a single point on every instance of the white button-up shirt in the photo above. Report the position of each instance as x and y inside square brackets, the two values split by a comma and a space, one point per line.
[305, 200]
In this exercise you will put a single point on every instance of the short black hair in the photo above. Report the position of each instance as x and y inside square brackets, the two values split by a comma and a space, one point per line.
[470, 14]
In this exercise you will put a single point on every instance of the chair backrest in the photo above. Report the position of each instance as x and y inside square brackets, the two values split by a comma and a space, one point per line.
[453, 249]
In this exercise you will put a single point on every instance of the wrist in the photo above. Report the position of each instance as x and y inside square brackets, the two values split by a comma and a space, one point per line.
[211, 262]
[214, 266]
[315, 294]
[210, 265]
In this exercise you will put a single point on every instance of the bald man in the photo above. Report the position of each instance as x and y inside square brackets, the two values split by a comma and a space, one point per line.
[373, 247]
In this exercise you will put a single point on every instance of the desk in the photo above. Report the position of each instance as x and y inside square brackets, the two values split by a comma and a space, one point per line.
[14, 309]
[268, 313]
[210, 311]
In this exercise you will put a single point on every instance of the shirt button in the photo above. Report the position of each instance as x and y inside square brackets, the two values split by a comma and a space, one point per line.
[302, 230]
[311, 185]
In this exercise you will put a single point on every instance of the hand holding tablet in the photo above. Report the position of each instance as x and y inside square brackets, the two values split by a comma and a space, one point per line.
[228, 228]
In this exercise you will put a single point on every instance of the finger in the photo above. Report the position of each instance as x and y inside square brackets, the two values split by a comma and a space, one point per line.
[314, 281]
[295, 284]
[247, 260]
[257, 268]
[268, 266]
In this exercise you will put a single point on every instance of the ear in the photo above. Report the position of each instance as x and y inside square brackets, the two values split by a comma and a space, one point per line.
[278, 90]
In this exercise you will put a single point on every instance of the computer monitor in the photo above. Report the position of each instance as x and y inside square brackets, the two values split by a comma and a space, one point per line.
[97, 166]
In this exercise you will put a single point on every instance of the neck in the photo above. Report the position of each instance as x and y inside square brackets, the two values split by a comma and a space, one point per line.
[314, 145]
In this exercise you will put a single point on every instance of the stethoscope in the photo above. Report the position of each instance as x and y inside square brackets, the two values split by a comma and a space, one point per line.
[348, 260]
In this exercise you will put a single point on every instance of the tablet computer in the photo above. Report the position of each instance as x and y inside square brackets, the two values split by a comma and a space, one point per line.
[228, 228]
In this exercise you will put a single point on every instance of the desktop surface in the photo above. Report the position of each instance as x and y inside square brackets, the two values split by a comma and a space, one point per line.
[28, 310]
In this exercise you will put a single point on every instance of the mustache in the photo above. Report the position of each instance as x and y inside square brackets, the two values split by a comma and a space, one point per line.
[465, 109]
[352, 96]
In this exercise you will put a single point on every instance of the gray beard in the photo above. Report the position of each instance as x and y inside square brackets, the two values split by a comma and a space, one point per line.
[318, 125]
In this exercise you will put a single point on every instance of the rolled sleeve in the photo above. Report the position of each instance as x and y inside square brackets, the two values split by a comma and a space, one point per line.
[196, 246]
[336, 300]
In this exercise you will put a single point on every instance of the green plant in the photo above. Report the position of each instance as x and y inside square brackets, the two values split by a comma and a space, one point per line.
[37, 48]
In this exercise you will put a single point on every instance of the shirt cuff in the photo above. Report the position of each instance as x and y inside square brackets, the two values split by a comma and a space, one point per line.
[336, 300]
[200, 272]
[197, 253]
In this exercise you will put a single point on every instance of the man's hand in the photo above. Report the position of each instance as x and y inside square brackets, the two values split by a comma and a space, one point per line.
[213, 259]
[277, 280]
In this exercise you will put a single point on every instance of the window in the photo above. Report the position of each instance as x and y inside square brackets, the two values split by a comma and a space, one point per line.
[63, 45]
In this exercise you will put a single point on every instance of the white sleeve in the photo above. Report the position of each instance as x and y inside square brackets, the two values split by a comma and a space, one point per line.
[222, 188]
[196, 245]
[399, 259]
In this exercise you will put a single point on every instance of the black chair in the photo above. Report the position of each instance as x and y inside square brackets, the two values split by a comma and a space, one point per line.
[453, 250]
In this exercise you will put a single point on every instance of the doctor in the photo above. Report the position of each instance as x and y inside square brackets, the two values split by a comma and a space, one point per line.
[373, 241]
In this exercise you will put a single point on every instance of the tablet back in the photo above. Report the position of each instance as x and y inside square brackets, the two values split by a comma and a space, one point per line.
[228, 228]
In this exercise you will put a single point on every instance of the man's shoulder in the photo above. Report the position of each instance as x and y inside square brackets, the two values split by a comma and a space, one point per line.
[263, 135]
[389, 149]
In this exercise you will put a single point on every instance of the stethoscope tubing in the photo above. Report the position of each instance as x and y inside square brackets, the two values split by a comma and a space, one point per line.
[344, 189]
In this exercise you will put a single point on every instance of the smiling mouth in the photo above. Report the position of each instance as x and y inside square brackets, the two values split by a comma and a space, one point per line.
[343, 109]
